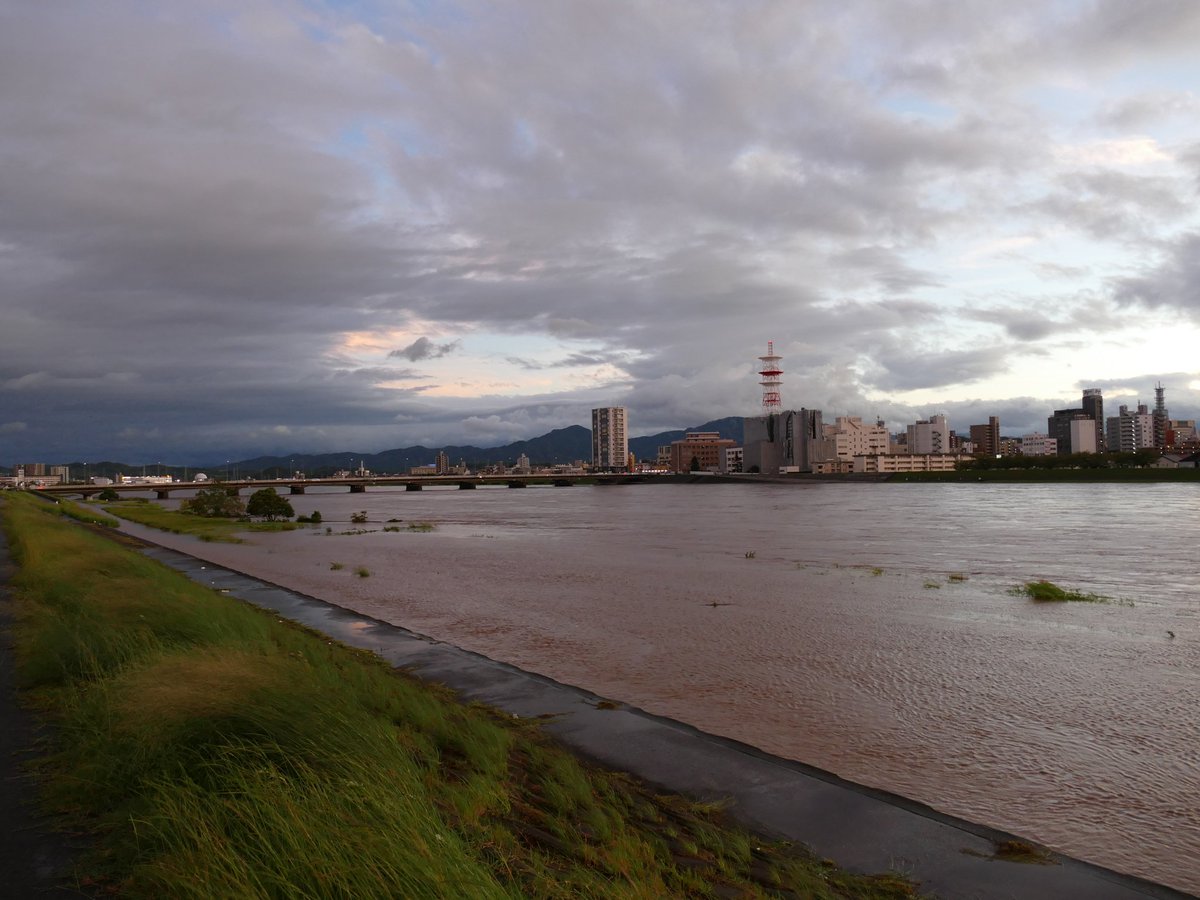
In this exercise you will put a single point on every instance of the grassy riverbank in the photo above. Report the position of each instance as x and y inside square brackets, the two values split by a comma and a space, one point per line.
[214, 750]
[206, 528]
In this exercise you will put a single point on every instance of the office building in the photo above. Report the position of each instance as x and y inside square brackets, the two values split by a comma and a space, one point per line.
[778, 442]
[1072, 437]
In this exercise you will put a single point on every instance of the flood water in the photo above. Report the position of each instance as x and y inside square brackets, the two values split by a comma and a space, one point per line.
[867, 629]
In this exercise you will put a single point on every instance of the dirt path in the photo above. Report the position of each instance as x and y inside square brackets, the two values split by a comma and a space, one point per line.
[35, 860]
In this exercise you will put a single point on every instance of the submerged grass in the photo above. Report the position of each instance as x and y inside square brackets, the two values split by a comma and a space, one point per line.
[215, 750]
[176, 522]
[1048, 591]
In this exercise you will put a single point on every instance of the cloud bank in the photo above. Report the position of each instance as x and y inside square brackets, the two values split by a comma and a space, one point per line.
[222, 223]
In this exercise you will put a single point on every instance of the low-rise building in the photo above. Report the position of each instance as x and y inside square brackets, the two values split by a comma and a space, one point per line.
[908, 462]
[1038, 444]
[731, 460]
[699, 451]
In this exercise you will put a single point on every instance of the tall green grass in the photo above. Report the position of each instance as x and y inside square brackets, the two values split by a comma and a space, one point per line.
[217, 751]
[204, 527]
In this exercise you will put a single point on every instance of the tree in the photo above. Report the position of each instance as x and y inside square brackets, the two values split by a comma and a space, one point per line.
[108, 495]
[214, 503]
[695, 466]
[269, 505]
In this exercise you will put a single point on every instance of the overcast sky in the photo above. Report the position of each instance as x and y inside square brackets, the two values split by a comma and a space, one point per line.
[259, 226]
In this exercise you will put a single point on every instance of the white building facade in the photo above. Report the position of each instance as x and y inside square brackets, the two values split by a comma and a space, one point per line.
[930, 435]
[849, 437]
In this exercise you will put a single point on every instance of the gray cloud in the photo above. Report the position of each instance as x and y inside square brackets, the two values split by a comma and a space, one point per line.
[214, 212]
[424, 348]
[1174, 282]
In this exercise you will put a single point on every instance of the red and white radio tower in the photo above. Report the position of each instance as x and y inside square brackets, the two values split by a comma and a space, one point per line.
[772, 379]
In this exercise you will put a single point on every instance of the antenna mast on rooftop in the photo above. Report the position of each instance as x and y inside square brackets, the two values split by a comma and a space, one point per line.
[772, 379]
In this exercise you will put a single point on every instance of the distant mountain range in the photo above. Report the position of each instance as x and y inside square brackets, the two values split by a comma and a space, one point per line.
[563, 445]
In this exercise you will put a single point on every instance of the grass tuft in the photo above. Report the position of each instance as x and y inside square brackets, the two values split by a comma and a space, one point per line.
[1049, 592]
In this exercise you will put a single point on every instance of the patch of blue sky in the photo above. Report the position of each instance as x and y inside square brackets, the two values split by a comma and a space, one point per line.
[365, 139]
[1067, 106]
[524, 141]
[392, 20]
[914, 106]
[1155, 74]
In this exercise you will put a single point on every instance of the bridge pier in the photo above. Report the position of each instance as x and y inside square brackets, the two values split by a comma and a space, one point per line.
[412, 486]
[162, 495]
[466, 485]
[358, 488]
[517, 484]
[297, 489]
[562, 482]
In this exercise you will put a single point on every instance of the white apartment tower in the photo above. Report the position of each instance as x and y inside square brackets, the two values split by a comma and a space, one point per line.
[1130, 431]
[610, 439]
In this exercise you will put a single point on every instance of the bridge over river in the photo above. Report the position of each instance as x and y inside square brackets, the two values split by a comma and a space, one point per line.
[355, 484]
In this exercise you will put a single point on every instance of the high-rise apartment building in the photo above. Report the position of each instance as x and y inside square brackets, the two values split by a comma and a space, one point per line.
[1129, 431]
[610, 439]
[1093, 405]
[986, 438]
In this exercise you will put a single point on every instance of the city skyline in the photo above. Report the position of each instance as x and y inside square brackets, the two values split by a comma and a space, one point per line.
[275, 226]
